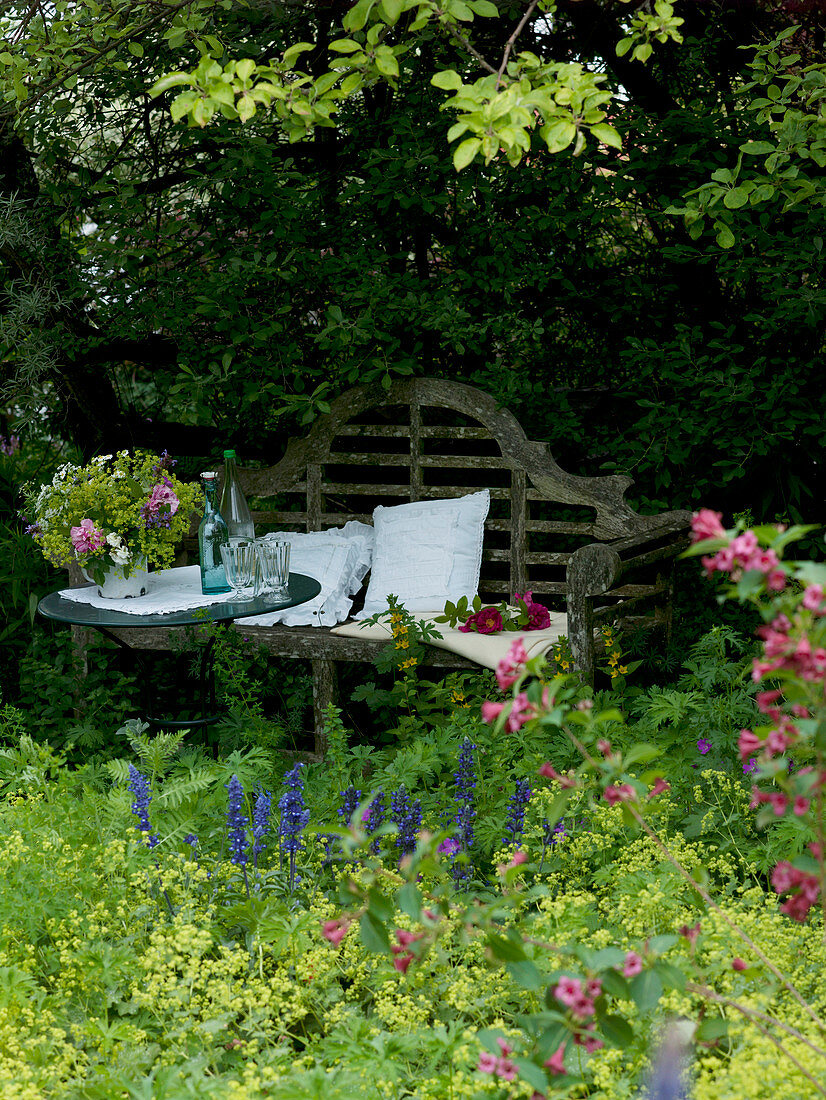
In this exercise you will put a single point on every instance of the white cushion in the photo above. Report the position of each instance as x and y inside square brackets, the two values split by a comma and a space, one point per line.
[338, 559]
[427, 552]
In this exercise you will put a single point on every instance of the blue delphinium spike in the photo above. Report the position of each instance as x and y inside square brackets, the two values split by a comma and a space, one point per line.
[465, 779]
[349, 803]
[139, 786]
[294, 817]
[375, 818]
[260, 823]
[407, 815]
[237, 822]
[517, 804]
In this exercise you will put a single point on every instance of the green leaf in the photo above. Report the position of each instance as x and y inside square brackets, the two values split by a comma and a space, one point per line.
[558, 134]
[725, 237]
[617, 1031]
[646, 990]
[614, 983]
[736, 197]
[484, 8]
[526, 974]
[135, 48]
[448, 79]
[607, 135]
[465, 153]
[171, 80]
[671, 976]
[505, 948]
[710, 1029]
[757, 148]
[410, 900]
[344, 45]
[295, 51]
[530, 1072]
[391, 10]
[373, 933]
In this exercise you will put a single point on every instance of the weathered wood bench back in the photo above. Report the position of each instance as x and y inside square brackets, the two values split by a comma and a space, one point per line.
[400, 446]
[569, 539]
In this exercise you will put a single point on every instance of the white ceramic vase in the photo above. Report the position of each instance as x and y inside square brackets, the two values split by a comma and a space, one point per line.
[117, 586]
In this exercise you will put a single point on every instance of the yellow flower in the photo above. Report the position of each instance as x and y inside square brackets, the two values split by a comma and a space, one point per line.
[623, 669]
[411, 663]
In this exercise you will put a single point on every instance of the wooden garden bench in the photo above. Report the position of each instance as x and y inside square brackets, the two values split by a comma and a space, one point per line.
[571, 540]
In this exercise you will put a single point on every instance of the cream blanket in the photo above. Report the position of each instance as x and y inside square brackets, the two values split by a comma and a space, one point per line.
[485, 649]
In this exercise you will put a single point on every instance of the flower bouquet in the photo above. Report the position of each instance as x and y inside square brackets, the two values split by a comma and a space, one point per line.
[119, 514]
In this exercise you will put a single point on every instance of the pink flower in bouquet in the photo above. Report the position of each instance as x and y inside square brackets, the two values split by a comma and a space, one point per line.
[163, 495]
[87, 538]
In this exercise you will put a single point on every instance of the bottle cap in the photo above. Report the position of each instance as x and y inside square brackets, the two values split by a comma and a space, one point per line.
[229, 454]
[209, 475]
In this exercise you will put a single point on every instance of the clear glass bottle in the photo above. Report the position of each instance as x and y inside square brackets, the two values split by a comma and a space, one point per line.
[212, 535]
[234, 507]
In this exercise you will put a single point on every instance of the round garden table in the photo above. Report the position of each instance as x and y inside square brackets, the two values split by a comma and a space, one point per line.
[105, 620]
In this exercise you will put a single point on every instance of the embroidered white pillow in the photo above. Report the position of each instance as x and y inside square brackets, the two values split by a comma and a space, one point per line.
[427, 552]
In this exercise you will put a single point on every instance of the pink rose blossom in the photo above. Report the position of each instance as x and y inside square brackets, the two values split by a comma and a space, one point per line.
[549, 772]
[748, 743]
[801, 806]
[486, 621]
[738, 964]
[487, 1062]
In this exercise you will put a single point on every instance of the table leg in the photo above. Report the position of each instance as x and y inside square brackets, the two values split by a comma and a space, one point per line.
[208, 713]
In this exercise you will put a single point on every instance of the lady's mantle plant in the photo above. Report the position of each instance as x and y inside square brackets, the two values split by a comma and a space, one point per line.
[112, 512]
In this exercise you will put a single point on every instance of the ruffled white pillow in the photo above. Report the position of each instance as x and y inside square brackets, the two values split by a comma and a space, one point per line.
[339, 560]
[427, 552]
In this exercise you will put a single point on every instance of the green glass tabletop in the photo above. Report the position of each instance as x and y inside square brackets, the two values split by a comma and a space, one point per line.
[54, 606]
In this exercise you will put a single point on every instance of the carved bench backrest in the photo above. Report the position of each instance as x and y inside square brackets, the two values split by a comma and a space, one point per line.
[427, 439]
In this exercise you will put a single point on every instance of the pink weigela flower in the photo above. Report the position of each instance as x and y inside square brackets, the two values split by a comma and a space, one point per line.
[511, 667]
[706, 524]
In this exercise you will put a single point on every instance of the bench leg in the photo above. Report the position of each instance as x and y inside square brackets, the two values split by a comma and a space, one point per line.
[581, 636]
[324, 693]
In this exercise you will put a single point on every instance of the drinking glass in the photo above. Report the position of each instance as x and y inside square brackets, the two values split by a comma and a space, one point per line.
[239, 565]
[274, 565]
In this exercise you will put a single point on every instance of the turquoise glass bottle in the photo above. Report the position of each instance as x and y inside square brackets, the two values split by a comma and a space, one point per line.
[212, 535]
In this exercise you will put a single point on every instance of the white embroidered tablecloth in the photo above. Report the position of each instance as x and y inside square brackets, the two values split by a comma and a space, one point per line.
[168, 590]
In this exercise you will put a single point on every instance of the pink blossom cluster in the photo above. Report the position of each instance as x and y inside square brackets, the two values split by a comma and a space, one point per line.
[623, 793]
[632, 965]
[87, 538]
[743, 555]
[803, 888]
[500, 1066]
[335, 930]
[512, 665]
[404, 956]
[549, 772]
[578, 997]
[521, 711]
[782, 650]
